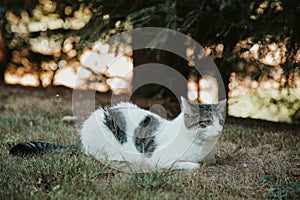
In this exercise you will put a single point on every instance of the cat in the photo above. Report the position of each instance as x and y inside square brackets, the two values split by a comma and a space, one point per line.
[127, 133]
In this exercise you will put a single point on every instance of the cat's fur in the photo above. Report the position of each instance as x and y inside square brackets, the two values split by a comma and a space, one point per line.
[128, 133]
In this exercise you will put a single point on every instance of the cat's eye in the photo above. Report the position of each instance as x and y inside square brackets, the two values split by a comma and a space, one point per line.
[208, 122]
[205, 123]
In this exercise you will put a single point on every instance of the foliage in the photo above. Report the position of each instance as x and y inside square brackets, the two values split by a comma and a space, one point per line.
[257, 39]
[208, 21]
[272, 104]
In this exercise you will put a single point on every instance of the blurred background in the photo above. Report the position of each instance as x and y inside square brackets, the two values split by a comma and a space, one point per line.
[255, 45]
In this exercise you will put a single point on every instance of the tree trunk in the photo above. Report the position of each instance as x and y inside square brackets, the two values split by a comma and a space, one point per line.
[3, 57]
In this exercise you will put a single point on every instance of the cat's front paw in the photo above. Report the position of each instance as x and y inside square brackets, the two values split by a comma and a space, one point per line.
[185, 165]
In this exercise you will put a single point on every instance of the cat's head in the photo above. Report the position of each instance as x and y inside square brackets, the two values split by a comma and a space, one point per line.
[204, 118]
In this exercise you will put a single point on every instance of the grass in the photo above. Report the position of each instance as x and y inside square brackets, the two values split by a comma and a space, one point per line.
[255, 160]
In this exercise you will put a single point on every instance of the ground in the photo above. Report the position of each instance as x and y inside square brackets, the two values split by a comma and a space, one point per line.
[255, 159]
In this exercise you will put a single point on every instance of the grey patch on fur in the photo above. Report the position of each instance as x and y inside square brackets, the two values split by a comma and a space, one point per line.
[201, 116]
[116, 123]
[144, 135]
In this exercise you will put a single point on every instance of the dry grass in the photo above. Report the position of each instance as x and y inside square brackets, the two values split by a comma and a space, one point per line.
[255, 160]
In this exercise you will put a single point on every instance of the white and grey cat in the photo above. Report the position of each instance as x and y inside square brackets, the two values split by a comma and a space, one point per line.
[128, 133]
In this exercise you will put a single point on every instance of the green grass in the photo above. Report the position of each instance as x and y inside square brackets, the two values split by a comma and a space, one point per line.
[254, 160]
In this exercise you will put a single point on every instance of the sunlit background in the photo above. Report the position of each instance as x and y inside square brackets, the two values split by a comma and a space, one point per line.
[271, 96]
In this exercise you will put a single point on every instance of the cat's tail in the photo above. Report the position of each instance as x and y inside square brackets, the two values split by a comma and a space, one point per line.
[31, 148]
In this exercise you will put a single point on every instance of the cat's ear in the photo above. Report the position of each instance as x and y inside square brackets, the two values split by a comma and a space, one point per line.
[221, 106]
[186, 106]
